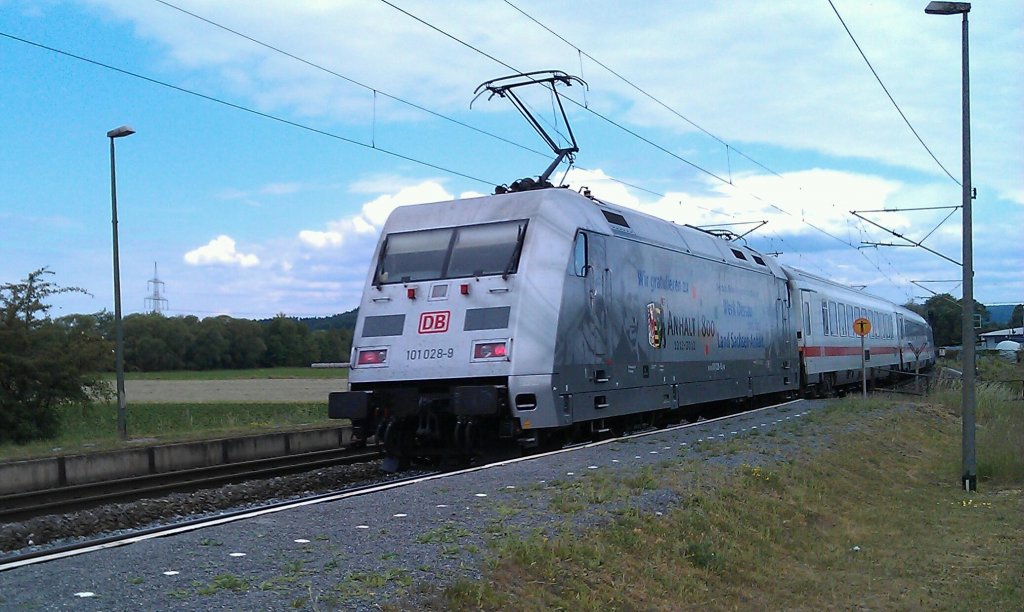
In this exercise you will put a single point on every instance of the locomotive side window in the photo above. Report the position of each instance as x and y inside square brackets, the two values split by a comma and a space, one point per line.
[579, 255]
[459, 252]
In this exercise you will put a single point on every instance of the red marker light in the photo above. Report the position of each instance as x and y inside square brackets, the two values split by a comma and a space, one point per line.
[411, 292]
[490, 350]
[372, 357]
[464, 288]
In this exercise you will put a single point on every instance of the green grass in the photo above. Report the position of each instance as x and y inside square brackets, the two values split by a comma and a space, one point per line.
[875, 520]
[999, 436]
[92, 428]
[258, 373]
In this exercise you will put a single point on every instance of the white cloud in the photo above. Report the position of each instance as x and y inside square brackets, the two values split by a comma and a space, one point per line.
[220, 251]
[284, 188]
[373, 214]
[320, 239]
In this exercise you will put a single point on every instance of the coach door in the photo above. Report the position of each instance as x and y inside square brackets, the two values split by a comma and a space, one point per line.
[900, 340]
[806, 331]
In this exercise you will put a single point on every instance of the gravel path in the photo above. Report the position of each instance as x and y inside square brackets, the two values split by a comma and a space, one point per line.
[250, 390]
[359, 552]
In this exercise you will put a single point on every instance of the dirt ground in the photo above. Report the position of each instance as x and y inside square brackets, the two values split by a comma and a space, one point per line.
[258, 390]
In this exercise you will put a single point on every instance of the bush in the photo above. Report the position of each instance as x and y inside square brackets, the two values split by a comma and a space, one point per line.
[44, 363]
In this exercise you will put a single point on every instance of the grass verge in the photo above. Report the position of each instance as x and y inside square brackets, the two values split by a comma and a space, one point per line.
[875, 519]
[93, 428]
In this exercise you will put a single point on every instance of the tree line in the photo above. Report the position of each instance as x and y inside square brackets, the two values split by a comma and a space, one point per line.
[154, 342]
[944, 313]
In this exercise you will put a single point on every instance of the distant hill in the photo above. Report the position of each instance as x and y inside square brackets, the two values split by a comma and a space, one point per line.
[345, 320]
[1000, 314]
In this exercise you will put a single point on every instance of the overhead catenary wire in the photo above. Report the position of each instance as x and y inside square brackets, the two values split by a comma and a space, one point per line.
[377, 91]
[656, 100]
[570, 99]
[886, 90]
[349, 79]
[246, 109]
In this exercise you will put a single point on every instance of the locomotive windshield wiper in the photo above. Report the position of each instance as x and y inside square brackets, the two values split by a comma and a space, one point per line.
[504, 87]
[515, 254]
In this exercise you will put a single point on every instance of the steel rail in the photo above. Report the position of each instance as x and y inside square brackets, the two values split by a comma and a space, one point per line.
[30, 504]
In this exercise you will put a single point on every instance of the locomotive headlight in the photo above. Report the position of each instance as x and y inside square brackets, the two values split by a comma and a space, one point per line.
[372, 357]
[490, 350]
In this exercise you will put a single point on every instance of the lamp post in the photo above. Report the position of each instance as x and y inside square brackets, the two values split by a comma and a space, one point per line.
[122, 411]
[969, 480]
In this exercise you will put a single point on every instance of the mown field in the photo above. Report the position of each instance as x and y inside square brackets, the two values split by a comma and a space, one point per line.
[177, 406]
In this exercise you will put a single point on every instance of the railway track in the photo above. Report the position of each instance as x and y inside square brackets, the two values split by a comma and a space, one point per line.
[50, 553]
[22, 506]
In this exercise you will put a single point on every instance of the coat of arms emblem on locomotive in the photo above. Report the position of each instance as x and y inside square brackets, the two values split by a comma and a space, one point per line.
[655, 326]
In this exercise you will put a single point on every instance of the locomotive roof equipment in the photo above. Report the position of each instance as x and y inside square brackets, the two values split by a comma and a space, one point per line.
[504, 87]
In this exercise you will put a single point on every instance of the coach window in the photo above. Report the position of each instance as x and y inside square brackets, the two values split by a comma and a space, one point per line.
[824, 317]
[807, 318]
[842, 319]
[579, 255]
[833, 323]
[850, 318]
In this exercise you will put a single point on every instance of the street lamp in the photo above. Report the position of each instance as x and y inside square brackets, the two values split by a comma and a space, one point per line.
[122, 410]
[969, 480]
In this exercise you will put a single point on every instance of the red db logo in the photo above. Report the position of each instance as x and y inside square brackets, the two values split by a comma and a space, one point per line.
[434, 322]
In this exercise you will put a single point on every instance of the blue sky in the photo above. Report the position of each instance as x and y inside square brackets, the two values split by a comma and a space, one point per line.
[249, 216]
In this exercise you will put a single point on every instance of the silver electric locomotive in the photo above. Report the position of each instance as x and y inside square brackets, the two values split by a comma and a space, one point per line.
[537, 314]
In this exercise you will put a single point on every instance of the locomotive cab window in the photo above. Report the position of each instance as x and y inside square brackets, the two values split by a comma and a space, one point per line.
[478, 250]
[454, 252]
[579, 255]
